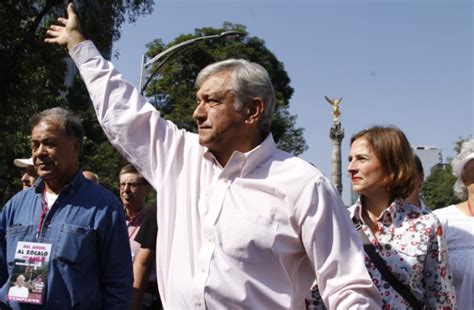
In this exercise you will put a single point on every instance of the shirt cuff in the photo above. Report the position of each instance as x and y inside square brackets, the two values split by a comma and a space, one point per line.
[83, 51]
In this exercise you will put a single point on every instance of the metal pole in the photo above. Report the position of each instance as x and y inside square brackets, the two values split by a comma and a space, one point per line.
[142, 74]
[169, 51]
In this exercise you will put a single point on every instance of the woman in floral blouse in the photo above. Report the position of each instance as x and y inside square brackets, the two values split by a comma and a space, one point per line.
[409, 239]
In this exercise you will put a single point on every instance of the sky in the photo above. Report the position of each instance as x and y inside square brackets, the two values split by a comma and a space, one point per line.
[407, 63]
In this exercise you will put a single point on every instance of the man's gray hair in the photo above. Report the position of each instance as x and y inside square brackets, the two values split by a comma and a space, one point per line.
[66, 118]
[248, 81]
[467, 148]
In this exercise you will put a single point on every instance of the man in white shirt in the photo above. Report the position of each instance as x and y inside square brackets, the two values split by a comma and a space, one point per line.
[241, 224]
[19, 290]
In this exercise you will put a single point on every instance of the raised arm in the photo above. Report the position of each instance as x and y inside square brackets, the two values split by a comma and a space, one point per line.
[68, 33]
[133, 127]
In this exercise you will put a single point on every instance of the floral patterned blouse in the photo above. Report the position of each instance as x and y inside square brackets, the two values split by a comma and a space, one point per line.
[412, 243]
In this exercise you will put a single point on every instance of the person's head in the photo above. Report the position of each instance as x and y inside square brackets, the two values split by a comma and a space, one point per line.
[91, 176]
[56, 141]
[20, 280]
[381, 159]
[28, 173]
[463, 169]
[235, 97]
[133, 188]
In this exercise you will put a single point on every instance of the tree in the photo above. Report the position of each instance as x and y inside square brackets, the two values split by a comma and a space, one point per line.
[438, 188]
[458, 144]
[173, 91]
[33, 74]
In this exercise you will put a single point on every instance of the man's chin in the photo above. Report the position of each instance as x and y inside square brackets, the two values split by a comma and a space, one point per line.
[204, 142]
[45, 175]
[208, 140]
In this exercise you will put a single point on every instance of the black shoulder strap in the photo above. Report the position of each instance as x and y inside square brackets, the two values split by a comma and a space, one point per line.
[381, 265]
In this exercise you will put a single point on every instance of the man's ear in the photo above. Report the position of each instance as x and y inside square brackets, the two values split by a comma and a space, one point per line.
[254, 110]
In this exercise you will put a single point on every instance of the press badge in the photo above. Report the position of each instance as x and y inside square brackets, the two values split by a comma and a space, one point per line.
[29, 273]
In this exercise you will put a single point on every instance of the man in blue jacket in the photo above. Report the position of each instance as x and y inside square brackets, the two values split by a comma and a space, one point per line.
[65, 226]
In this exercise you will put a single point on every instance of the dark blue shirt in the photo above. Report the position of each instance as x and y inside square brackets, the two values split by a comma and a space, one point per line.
[90, 264]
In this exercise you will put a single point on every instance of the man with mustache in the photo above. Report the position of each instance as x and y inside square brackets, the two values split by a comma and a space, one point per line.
[133, 192]
[75, 225]
[241, 224]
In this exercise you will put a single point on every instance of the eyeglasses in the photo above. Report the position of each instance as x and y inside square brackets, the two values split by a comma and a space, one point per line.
[131, 184]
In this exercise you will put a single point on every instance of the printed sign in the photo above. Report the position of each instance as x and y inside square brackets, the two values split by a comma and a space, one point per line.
[30, 270]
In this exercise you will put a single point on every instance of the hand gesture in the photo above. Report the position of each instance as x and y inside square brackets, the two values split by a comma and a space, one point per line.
[68, 33]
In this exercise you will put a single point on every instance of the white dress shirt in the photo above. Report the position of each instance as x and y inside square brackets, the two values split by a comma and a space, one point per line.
[253, 234]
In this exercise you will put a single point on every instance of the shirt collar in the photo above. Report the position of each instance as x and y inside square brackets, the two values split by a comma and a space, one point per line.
[386, 217]
[243, 163]
[260, 154]
[137, 219]
[68, 188]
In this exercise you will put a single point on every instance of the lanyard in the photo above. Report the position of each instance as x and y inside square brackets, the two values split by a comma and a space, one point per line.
[44, 211]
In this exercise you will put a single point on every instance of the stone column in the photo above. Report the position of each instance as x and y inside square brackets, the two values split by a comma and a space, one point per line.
[336, 134]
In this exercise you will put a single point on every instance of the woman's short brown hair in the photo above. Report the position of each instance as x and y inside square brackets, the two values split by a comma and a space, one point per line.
[392, 149]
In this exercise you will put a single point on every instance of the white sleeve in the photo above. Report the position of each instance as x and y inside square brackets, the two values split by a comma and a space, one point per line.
[133, 126]
[335, 249]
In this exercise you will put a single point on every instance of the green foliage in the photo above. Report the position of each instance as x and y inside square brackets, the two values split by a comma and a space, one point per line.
[33, 75]
[172, 91]
[438, 188]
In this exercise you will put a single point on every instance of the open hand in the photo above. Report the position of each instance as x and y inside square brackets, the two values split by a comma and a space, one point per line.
[68, 33]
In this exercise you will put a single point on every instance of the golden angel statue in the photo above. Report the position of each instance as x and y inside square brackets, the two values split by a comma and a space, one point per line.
[335, 107]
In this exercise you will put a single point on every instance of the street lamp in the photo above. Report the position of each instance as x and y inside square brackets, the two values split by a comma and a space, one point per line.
[166, 54]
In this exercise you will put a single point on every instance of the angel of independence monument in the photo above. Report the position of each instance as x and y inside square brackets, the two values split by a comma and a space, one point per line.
[336, 133]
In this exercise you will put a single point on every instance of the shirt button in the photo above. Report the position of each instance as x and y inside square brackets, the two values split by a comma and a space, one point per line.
[197, 303]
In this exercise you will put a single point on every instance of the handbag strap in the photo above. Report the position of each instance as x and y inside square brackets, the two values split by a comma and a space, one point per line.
[381, 265]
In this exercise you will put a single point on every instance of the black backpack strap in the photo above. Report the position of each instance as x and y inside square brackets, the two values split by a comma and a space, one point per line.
[381, 265]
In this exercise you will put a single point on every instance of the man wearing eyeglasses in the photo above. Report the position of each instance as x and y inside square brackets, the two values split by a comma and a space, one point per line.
[133, 192]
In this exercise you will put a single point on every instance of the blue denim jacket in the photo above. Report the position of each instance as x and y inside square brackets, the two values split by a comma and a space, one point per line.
[90, 264]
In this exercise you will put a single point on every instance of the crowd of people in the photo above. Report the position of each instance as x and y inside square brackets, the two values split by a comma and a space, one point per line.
[238, 223]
